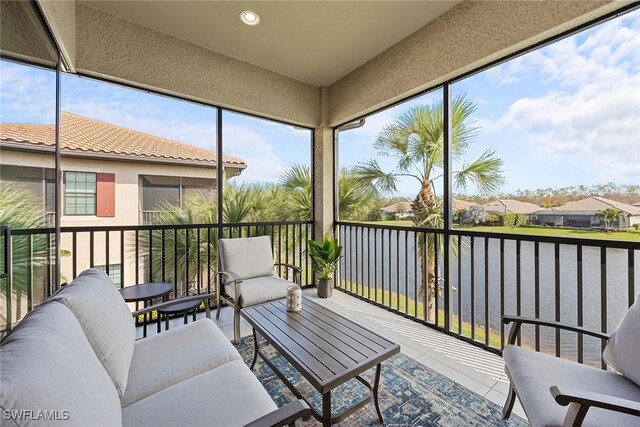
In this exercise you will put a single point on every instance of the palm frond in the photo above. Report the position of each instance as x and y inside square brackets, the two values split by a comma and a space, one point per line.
[486, 172]
[369, 173]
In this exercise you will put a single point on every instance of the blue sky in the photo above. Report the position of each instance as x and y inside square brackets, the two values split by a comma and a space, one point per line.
[567, 114]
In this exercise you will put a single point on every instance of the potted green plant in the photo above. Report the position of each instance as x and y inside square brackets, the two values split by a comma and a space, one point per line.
[324, 260]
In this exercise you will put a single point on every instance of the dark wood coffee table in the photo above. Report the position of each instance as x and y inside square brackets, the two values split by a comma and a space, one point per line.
[326, 348]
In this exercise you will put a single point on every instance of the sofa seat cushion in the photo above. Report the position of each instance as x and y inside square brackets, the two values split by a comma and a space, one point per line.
[247, 257]
[178, 354]
[534, 373]
[47, 364]
[229, 395]
[105, 319]
[260, 289]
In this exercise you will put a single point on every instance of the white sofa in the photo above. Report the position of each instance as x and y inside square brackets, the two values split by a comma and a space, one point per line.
[75, 361]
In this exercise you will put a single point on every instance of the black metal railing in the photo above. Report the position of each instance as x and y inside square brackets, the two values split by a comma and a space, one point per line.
[585, 282]
[184, 255]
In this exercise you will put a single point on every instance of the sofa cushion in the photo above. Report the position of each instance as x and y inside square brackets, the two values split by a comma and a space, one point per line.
[260, 289]
[48, 365]
[247, 257]
[534, 373]
[622, 352]
[105, 319]
[229, 395]
[178, 354]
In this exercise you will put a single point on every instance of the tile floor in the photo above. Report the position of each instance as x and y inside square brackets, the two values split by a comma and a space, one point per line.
[470, 366]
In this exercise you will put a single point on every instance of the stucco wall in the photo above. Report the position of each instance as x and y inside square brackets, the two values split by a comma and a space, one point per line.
[468, 36]
[108, 46]
[22, 35]
[127, 174]
[61, 18]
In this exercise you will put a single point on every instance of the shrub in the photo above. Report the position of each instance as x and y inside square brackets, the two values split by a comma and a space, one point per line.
[474, 215]
[521, 219]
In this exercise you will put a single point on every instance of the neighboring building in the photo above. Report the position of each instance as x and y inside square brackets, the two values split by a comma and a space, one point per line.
[637, 204]
[461, 205]
[583, 213]
[112, 176]
[398, 210]
[507, 206]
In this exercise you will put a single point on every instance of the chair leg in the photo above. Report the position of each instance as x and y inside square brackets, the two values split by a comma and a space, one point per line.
[218, 302]
[236, 327]
[508, 405]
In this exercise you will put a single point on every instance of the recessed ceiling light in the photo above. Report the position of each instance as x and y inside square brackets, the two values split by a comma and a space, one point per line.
[250, 18]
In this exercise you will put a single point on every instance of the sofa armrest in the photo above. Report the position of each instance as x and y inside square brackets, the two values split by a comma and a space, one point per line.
[297, 271]
[519, 321]
[580, 401]
[284, 416]
[201, 297]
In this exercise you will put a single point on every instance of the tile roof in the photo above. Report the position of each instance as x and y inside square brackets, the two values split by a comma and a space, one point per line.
[398, 207]
[503, 206]
[459, 204]
[83, 134]
[591, 205]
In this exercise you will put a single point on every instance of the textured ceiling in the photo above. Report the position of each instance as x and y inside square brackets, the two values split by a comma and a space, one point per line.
[316, 42]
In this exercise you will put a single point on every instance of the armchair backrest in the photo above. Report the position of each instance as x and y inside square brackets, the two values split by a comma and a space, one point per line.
[247, 257]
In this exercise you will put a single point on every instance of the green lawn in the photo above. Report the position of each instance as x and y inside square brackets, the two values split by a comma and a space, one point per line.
[534, 231]
[408, 306]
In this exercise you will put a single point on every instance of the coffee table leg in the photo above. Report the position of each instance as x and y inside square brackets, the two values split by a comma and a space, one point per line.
[255, 349]
[375, 392]
[326, 409]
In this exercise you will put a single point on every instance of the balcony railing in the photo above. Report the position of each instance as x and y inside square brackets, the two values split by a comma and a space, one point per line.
[588, 283]
[181, 254]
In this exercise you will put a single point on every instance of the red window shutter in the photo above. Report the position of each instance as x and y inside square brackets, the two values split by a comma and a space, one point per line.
[106, 195]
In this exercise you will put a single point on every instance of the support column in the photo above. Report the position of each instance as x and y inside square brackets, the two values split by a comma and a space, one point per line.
[323, 171]
[323, 182]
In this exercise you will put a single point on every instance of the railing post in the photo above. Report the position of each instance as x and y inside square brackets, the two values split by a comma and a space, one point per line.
[446, 197]
[6, 274]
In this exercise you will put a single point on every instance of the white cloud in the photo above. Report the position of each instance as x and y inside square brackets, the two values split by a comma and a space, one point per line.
[30, 95]
[593, 114]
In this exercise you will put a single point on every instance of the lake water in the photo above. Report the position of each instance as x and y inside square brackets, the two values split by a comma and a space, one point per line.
[391, 258]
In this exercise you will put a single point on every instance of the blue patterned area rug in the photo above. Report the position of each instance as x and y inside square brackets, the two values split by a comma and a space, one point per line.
[411, 394]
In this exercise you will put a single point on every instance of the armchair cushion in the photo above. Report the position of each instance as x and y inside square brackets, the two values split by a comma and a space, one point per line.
[260, 289]
[47, 364]
[229, 395]
[106, 321]
[178, 354]
[622, 352]
[247, 257]
[534, 373]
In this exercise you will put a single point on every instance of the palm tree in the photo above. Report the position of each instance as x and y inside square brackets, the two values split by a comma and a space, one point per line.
[358, 200]
[19, 209]
[610, 216]
[416, 141]
[246, 202]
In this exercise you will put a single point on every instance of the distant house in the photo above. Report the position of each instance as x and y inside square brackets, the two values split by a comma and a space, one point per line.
[637, 204]
[111, 176]
[398, 210]
[461, 205]
[507, 206]
[583, 213]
